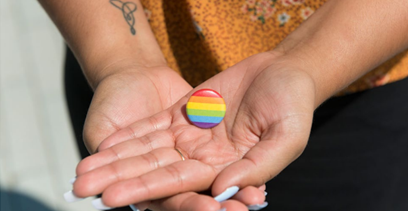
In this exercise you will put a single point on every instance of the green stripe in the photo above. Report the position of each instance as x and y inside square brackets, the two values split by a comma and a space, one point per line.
[198, 112]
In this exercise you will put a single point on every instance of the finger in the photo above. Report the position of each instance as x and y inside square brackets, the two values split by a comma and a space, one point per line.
[130, 148]
[160, 121]
[97, 180]
[250, 196]
[263, 161]
[262, 188]
[233, 205]
[198, 202]
[186, 202]
[140, 206]
[179, 177]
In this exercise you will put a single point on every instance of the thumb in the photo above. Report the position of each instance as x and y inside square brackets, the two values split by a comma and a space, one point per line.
[280, 145]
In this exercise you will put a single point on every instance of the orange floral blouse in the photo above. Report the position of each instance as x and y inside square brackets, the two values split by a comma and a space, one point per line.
[201, 38]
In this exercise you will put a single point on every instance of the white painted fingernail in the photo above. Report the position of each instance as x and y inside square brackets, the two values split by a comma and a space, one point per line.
[70, 197]
[266, 193]
[72, 180]
[227, 194]
[223, 209]
[133, 207]
[98, 204]
[257, 206]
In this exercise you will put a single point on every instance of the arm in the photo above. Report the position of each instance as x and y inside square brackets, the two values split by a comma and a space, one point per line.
[270, 100]
[100, 36]
[338, 44]
[121, 60]
[345, 39]
[124, 65]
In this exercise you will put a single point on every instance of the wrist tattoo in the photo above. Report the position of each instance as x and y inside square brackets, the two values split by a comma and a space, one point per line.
[127, 8]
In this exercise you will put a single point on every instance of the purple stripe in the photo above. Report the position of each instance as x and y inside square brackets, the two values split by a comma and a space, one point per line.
[205, 125]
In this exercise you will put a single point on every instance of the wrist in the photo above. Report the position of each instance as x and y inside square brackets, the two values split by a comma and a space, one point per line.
[167, 82]
[298, 70]
[118, 66]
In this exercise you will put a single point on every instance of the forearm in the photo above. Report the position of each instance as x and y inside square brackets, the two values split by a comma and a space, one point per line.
[101, 37]
[345, 39]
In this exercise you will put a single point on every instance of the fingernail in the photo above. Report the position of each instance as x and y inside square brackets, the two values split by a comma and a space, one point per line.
[70, 197]
[98, 204]
[257, 206]
[133, 207]
[266, 193]
[223, 209]
[72, 180]
[227, 194]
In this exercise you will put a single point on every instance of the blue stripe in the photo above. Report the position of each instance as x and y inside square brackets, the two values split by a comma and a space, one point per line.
[206, 119]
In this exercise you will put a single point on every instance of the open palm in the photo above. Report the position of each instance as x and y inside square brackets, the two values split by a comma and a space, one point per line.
[131, 95]
[269, 113]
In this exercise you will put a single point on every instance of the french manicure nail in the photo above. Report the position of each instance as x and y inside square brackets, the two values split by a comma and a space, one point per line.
[70, 197]
[72, 180]
[98, 204]
[133, 207]
[223, 209]
[257, 206]
[227, 194]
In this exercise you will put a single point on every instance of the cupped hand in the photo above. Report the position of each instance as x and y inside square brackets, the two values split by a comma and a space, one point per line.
[124, 98]
[130, 95]
[270, 104]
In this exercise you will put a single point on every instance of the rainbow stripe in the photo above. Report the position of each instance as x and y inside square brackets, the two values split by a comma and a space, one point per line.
[206, 108]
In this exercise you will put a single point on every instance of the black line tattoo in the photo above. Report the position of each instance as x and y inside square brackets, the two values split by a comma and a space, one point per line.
[127, 8]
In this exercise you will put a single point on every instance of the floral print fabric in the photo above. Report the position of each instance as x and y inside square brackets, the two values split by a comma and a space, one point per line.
[201, 38]
[265, 9]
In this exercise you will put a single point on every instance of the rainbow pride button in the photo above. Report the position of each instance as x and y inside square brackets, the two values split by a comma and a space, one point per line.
[206, 108]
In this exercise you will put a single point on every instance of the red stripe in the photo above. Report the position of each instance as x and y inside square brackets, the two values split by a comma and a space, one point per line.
[207, 93]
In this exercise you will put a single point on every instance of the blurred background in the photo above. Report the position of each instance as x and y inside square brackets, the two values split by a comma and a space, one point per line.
[37, 150]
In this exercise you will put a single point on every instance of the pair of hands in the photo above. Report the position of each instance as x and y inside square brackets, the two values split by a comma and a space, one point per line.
[141, 120]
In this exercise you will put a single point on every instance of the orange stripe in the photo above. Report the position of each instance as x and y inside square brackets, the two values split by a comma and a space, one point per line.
[212, 100]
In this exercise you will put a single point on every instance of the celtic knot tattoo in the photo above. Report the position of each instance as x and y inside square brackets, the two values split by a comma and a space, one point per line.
[128, 9]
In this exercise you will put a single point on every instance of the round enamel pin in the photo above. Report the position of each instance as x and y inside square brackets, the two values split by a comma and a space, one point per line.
[206, 108]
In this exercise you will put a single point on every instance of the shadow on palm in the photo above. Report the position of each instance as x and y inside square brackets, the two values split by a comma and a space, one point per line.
[266, 126]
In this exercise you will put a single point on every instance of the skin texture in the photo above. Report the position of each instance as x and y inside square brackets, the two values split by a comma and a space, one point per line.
[127, 72]
[275, 128]
[129, 96]
[270, 101]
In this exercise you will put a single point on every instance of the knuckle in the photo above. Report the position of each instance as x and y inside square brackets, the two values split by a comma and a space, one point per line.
[152, 160]
[176, 175]
[147, 141]
[116, 170]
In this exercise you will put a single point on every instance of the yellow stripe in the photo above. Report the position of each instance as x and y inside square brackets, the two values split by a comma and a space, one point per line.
[206, 106]
[199, 99]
